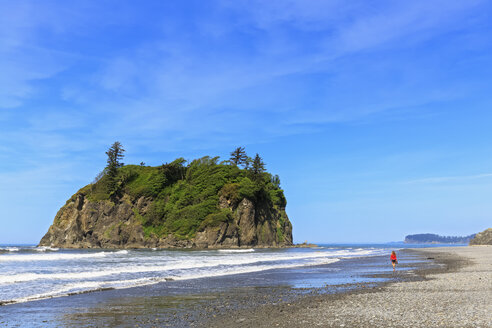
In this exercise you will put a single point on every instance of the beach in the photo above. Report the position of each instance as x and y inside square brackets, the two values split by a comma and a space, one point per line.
[458, 293]
[433, 287]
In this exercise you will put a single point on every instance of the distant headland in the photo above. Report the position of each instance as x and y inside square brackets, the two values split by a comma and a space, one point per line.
[202, 203]
[482, 238]
[430, 238]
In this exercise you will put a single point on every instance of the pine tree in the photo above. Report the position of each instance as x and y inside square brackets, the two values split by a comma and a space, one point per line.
[238, 157]
[276, 181]
[115, 154]
[248, 162]
[257, 167]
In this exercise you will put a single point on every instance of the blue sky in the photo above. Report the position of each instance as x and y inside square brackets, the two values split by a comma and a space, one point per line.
[375, 114]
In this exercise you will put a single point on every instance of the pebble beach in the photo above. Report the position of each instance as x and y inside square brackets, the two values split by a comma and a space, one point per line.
[456, 294]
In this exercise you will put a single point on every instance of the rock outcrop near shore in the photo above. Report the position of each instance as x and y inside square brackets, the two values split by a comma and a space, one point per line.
[187, 213]
[482, 238]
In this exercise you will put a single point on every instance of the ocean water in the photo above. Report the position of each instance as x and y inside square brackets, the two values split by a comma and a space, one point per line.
[31, 273]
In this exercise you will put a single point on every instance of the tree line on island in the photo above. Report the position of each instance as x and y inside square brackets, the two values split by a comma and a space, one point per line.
[185, 194]
[238, 157]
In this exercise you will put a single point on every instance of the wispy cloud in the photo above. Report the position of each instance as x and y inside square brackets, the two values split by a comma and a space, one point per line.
[274, 68]
[182, 78]
[451, 179]
[20, 63]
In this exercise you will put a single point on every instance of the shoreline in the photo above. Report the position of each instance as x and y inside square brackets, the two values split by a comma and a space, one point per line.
[456, 292]
[191, 302]
[357, 292]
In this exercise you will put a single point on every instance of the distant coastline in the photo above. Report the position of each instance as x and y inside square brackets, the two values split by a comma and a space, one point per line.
[429, 238]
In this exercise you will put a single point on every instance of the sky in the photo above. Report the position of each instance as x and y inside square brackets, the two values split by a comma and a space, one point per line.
[376, 115]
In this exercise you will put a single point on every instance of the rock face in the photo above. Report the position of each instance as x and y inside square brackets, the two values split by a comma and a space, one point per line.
[82, 223]
[482, 238]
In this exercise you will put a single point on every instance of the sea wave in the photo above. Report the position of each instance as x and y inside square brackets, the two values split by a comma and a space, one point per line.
[199, 261]
[46, 248]
[170, 267]
[91, 286]
[236, 250]
[27, 275]
[177, 264]
[9, 249]
[80, 288]
[50, 257]
[249, 269]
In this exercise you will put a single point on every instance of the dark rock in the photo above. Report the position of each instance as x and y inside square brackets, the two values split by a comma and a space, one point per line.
[82, 223]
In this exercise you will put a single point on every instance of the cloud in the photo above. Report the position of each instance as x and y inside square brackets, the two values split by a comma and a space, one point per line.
[23, 60]
[35, 44]
[451, 179]
[181, 73]
[177, 80]
[403, 23]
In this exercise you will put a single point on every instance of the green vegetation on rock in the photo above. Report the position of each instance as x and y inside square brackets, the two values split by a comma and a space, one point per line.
[184, 197]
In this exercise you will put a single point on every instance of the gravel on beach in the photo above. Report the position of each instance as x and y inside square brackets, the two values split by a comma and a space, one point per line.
[459, 294]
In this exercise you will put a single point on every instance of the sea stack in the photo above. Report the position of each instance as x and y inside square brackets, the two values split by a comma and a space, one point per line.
[204, 204]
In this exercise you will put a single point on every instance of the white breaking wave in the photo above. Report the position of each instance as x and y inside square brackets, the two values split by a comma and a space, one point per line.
[46, 248]
[240, 270]
[88, 286]
[31, 276]
[51, 257]
[236, 250]
[78, 288]
[173, 265]
[9, 249]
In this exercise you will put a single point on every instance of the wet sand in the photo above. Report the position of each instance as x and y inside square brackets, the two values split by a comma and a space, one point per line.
[457, 293]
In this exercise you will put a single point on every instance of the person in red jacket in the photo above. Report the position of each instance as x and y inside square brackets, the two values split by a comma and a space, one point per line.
[394, 261]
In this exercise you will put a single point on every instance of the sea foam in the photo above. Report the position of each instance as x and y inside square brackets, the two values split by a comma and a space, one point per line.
[50, 257]
[236, 250]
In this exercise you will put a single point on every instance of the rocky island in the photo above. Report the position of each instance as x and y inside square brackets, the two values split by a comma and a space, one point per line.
[200, 204]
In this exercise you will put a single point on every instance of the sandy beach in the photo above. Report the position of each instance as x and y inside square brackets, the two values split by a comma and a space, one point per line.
[457, 294]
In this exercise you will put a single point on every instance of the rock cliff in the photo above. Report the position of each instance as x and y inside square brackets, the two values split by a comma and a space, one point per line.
[482, 238]
[142, 220]
[104, 224]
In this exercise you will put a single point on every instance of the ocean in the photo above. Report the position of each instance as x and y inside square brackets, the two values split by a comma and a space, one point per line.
[51, 287]
[30, 273]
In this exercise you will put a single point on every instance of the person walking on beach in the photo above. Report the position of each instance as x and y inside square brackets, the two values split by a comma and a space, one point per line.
[394, 261]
